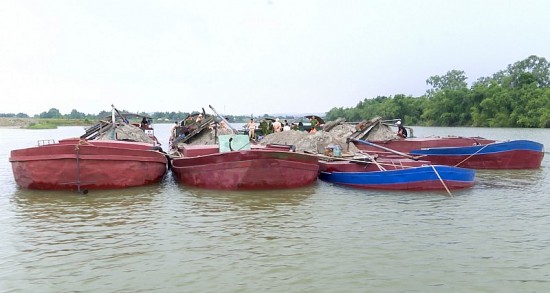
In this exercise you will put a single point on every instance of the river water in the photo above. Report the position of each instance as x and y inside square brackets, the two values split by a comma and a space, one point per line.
[493, 237]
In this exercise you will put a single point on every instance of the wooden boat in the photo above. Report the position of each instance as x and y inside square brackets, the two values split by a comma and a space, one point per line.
[405, 175]
[239, 168]
[475, 153]
[515, 154]
[467, 152]
[93, 161]
[81, 165]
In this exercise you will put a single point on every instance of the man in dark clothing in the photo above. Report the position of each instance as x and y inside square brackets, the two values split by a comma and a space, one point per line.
[401, 131]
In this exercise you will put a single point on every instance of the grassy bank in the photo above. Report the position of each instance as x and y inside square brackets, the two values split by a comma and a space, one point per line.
[42, 123]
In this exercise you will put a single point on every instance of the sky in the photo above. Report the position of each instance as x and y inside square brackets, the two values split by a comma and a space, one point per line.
[251, 57]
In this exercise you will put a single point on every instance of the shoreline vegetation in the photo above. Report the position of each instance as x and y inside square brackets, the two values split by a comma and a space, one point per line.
[516, 97]
[41, 123]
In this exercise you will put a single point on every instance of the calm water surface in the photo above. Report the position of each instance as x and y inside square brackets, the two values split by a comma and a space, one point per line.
[493, 237]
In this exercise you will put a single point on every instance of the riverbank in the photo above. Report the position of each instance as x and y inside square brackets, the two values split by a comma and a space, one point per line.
[40, 123]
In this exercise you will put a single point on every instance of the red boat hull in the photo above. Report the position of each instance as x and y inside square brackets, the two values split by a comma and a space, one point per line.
[410, 144]
[417, 186]
[463, 152]
[86, 165]
[247, 170]
[518, 159]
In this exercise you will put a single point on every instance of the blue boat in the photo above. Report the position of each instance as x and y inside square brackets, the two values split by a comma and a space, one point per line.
[515, 154]
[429, 177]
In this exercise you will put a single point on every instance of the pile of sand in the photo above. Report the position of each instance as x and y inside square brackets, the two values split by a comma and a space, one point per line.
[313, 142]
[317, 142]
[304, 141]
[208, 136]
[127, 132]
[381, 132]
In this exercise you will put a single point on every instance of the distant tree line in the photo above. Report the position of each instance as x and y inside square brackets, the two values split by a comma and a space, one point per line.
[54, 113]
[75, 114]
[518, 96]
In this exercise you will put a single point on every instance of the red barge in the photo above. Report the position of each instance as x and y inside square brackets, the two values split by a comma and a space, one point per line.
[205, 166]
[466, 152]
[81, 164]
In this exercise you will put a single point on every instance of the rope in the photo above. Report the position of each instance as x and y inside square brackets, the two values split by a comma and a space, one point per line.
[467, 158]
[372, 160]
[81, 142]
[442, 182]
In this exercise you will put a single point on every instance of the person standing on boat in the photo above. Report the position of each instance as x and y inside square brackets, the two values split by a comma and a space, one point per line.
[188, 121]
[144, 122]
[286, 127]
[314, 123]
[401, 131]
[173, 130]
[173, 133]
[223, 125]
[277, 125]
[263, 127]
[269, 127]
[199, 118]
[251, 128]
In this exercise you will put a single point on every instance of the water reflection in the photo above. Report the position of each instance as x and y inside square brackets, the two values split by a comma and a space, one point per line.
[252, 200]
[107, 207]
[523, 180]
[54, 232]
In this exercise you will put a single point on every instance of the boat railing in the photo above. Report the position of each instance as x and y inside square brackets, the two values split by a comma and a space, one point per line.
[42, 142]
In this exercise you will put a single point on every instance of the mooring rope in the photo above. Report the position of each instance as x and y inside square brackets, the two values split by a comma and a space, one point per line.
[442, 182]
[81, 142]
[467, 158]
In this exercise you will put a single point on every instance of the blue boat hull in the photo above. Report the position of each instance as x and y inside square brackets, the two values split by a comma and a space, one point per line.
[435, 177]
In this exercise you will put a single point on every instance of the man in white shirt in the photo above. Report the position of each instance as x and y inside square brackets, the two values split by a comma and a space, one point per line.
[277, 125]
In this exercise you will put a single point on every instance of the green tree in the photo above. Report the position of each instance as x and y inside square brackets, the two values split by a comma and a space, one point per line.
[532, 69]
[52, 113]
[452, 80]
[334, 114]
[76, 115]
[449, 100]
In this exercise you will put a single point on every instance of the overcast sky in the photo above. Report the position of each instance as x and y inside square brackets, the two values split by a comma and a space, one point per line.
[251, 57]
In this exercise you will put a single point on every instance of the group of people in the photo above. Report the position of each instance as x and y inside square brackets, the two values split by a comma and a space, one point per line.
[268, 126]
[277, 126]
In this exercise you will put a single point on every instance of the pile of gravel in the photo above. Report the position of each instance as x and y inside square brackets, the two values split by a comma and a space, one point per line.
[313, 142]
[381, 132]
[127, 132]
[208, 136]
